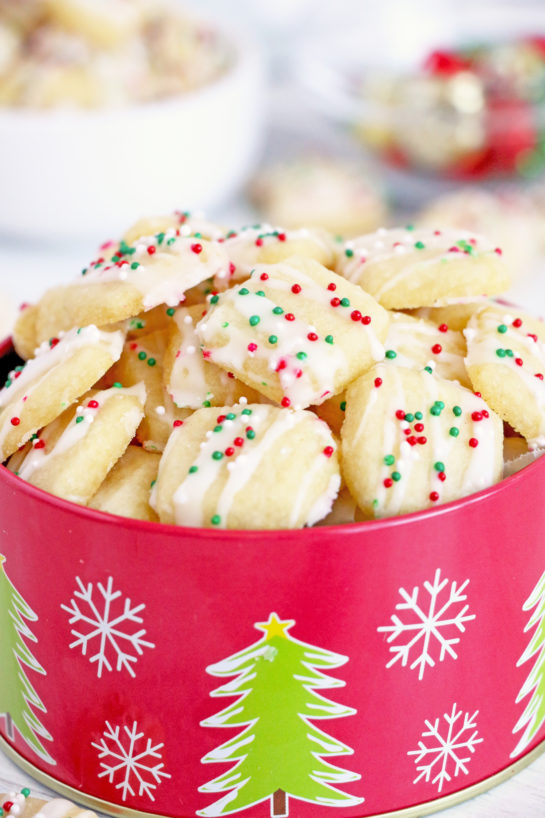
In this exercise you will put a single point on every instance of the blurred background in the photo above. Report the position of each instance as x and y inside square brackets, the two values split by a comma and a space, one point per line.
[350, 115]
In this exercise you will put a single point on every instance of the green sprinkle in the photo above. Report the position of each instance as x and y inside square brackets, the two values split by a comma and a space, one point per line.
[419, 245]
[198, 235]
[171, 311]
[389, 460]
[151, 361]
[193, 469]
[391, 354]
[301, 356]
[345, 302]
[439, 465]
[25, 791]
[246, 412]
[225, 324]
[409, 227]
[79, 418]
[250, 434]
[348, 252]
[418, 415]
[435, 410]
[243, 291]
[217, 455]
[218, 428]
[457, 410]
[153, 482]
[501, 353]
[214, 299]
[409, 417]
[454, 431]
[254, 320]
[118, 385]
[230, 416]
[142, 355]
[509, 353]
[342, 405]
[440, 404]
[396, 476]
[428, 369]
[278, 310]
[160, 237]
[206, 403]
[215, 519]
[171, 241]
[502, 328]
[260, 292]
[135, 265]
[328, 339]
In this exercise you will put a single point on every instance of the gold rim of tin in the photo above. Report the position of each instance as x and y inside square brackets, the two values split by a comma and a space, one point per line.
[416, 811]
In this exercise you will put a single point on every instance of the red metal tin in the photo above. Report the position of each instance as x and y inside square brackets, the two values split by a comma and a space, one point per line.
[363, 668]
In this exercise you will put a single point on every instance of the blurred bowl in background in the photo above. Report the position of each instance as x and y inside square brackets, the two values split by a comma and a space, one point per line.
[71, 173]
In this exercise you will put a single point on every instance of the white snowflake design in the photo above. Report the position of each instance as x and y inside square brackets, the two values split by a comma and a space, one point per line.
[446, 752]
[132, 759]
[101, 624]
[432, 619]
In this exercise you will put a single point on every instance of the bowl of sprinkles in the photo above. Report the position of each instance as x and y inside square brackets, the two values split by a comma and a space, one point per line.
[109, 108]
[271, 504]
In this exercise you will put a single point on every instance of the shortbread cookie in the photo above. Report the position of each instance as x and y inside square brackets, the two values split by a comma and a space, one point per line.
[191, 380]
[37, 392]
[455, 315]
[296, 332]
[506, 363]
[24, 332]
[71, 456]
[156, 270]
[218, 469]
[142, 361]
[320, 191]
[411, 440]
[126, 490]
[264, 244]
[405, 268]
[184, 223]
[23, 805]
[418, 344]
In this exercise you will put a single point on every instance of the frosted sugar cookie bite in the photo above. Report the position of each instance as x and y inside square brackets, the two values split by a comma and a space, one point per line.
[411, 440]
[405, 268]
[23, 805]
[63, 369]
[506, 363]
[218, 469]
[295, 332]
[126, 490]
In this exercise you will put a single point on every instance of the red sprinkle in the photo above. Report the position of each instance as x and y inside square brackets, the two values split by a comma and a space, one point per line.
[15, 421]
[454, 249]
[332, 286]
[499, 251]
[519, 361]
[378, 382]
[285, 402]
[422, 440]
[443, 327]
[178, 423]
[538, 375]
[406, 431]
[134, 345]
[289, 316]
[312, 336]
[328, 451]
[196, 248]
[281, 237]
[93, 404]
[412, 441]
[442, 476]
[281, 365]
[151, 250]
[355, 315]
[238, 441]
[206, 353]
[388, 482]
[473, 442]
[436, 349]
[477, 394]
[258, 242]
[252, 347]
[434, 496]
[7, 805]
[298, 373]
[296, 288]
[264, 276]
[517, 322]
[40, 444]
[366, 319]
[532, 336]
[400, 414]
[476, 416]
[335, 302]
[484, 413]
[229, 451]
[418, 427]
[53, 342]
[220, 418]
[232, 268]
[230, 375]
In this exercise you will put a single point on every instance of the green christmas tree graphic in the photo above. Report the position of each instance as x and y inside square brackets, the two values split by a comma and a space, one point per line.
[534, 714]
[280, 753]
[17, 696]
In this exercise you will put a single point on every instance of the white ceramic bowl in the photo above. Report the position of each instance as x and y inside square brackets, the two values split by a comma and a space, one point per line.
[80, 173]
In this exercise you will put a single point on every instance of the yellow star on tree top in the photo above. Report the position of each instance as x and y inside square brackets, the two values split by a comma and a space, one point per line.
[275, 626]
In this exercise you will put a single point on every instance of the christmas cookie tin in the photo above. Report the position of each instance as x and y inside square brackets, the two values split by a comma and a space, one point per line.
[349, 671]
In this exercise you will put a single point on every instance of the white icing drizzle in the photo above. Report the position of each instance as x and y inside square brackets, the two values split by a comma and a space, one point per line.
[412, 340]
[77, 429]
[324, 504]
[163, 276]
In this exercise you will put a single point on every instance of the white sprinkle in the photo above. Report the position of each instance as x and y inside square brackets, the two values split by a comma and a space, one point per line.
[160, 410]
[191, 349]
[188, 319]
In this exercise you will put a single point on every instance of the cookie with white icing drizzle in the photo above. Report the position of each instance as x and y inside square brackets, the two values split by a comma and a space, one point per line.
[71, 456]
[188, 224]
[411, 440]
[218, 468]
[155, 270]
[191, 380]
[142, 361]
[63, 369]
[405, 268]
[264, 244]
[295, 332]
[506, 363]
[126, 489]
[23, 805]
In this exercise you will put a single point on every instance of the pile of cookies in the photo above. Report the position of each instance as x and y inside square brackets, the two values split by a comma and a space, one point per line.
[270, 378]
